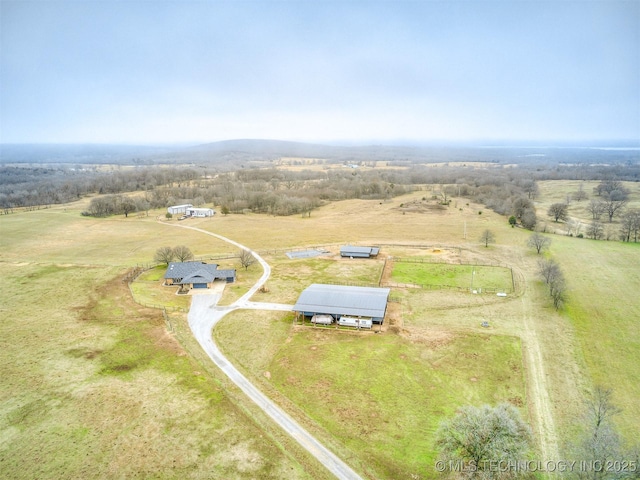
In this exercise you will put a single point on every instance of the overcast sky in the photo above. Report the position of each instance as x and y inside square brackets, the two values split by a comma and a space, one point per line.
[359, 71]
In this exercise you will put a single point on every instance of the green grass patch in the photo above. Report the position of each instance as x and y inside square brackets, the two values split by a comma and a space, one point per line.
[442, 275]
[148, 290]
[290, 277]
[604, 282]
[381, 396]
[384, 397]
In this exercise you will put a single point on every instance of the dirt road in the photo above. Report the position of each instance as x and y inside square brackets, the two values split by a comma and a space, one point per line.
[204, 314]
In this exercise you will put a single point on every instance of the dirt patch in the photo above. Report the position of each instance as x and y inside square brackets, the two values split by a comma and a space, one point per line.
[421, 206]
[433, 338]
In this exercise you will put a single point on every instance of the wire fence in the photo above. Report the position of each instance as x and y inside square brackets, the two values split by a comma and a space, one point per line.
[436, 261]
[440, 261]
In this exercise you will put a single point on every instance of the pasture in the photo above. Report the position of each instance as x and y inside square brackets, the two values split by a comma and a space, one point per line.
[444, 275]
[348, 384]
[92, 376]
[92, 384]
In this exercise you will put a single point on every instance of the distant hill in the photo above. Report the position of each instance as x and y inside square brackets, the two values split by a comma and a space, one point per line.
[230, 154]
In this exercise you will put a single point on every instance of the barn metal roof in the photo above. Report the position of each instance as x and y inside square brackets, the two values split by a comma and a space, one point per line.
[343, 300]
[353, 251]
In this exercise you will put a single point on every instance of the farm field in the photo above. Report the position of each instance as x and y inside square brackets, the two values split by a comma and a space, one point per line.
[558, 191]
[348, 383]
[437, 275]
[92, 385]
[77, 344]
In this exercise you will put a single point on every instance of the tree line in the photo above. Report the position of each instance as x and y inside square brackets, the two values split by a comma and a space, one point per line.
[507, 191]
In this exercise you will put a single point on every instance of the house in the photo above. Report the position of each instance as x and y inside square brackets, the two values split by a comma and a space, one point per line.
[352, 306]
[359, 252]
[196, 275]
[200, 212]
[178, 209]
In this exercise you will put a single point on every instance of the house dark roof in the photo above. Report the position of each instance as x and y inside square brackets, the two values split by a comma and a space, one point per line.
[196, 272]
[343, 300]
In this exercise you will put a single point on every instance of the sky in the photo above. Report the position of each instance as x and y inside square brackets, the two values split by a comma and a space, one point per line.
[148, 72]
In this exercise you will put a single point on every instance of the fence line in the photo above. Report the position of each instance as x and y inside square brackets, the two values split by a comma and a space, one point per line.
[445, 287]
[434, 261]
[445, 262]
[167, 320]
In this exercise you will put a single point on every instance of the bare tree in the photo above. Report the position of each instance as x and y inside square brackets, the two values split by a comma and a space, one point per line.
[557, 291]
[580, 194]
[558, 211]
[630, 228]
[479, 436]
[182, 253]
[547, 269]
[539, 242]
[487, 237]
[596, 208]
[550, 272]
[247, 259]
[164, 255]
[595, 230]
[600, 443]
[613, 204]
[529, 219]
[531, 189]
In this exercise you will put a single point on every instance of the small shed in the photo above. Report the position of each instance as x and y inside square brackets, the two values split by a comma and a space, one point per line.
[359, 252]
[178, 209]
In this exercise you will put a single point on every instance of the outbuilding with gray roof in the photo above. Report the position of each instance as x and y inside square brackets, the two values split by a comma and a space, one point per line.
[339, 301]
[358, 252]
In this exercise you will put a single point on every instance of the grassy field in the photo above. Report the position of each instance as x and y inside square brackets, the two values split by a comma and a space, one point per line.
[558, 191]
[290, 277]
[603, 306]
[93, 386]
[91, 376]
[348, 384]
[456, 276]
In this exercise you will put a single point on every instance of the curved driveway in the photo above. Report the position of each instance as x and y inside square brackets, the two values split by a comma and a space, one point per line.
[203, 316]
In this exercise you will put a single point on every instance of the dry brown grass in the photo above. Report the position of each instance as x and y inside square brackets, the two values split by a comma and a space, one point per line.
[92, 251]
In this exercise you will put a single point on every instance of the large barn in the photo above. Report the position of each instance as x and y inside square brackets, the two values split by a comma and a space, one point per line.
[177, 209]
[196, 274]
[343, 304]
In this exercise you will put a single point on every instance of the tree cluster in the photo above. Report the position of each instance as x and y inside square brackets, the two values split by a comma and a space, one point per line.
[553, 277]
[167, 255]
[107, 205]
